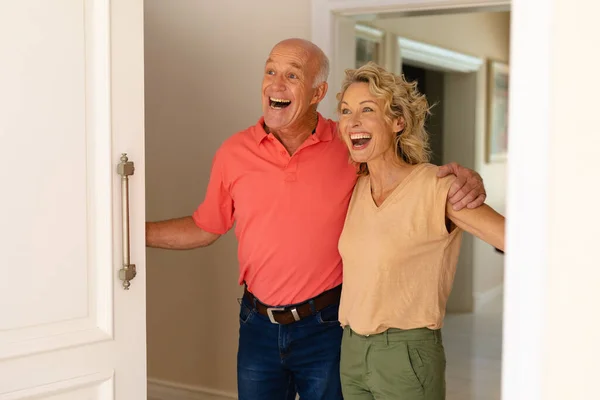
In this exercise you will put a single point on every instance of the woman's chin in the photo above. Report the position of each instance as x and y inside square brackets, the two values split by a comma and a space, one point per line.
[358, 158]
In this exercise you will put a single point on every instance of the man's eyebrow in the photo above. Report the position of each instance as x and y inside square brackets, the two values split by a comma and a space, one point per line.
[295, 65]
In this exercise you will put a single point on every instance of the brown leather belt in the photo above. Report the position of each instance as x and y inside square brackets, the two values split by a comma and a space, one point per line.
[296, 312]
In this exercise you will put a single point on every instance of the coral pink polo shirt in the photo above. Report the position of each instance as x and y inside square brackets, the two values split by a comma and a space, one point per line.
[288, 211]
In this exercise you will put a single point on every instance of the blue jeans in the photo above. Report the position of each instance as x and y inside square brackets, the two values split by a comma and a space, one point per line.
[277, 361]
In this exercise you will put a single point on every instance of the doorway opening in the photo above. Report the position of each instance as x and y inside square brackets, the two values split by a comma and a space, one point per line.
[452, 71]
[431, 84]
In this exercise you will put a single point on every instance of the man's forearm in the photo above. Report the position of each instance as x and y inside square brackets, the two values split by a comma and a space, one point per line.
[177, 234]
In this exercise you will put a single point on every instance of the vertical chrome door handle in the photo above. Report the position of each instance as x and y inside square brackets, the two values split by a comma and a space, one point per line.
[126, 169]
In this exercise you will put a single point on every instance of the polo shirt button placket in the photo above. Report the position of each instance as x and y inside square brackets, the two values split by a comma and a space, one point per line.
[290, 170]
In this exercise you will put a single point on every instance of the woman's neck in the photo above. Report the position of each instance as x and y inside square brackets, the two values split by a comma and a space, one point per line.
[385, 174]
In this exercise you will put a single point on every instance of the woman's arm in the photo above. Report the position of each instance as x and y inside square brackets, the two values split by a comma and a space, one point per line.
[483, 222]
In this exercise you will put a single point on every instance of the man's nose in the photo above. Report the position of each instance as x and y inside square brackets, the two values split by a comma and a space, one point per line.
[278, 82]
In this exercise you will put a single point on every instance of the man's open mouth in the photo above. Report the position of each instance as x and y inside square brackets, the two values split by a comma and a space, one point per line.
[278, 104]
[360, 139]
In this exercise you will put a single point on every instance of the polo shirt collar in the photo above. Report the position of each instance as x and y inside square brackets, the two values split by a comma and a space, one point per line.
[323, 131]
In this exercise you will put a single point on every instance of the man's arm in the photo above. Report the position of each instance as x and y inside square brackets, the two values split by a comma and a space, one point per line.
[178, 234]
[467, 190]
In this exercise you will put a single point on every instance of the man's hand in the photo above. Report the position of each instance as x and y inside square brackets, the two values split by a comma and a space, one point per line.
[467, 190]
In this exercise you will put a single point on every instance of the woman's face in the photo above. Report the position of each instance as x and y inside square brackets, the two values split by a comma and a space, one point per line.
[363, 127]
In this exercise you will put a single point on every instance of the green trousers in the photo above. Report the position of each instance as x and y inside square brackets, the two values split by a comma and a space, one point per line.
[396, 364]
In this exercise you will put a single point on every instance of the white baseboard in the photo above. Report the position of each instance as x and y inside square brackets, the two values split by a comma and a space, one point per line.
[482, 298]
[165, 390]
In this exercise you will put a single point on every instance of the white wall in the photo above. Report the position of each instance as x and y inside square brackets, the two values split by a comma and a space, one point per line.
[484, 35]
[204, 62]
[551, 349]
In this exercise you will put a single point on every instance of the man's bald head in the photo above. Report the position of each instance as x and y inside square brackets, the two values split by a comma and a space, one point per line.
[316, 57]
[294, 83]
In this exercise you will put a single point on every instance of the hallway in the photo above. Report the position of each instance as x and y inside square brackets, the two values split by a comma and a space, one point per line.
[473, 344]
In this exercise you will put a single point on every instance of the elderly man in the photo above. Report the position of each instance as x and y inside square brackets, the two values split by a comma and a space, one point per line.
[286, 182]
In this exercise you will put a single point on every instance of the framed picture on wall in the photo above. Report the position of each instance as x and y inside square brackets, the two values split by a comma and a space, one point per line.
[497, 112]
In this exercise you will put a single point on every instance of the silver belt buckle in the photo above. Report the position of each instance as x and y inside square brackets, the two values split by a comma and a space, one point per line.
[270, 313]
[272, 319]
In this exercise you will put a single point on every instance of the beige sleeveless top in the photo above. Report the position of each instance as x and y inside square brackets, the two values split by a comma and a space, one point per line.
[399, 259]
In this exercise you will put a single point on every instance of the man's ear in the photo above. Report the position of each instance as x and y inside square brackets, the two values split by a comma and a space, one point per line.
[399, 124]
[320, 93]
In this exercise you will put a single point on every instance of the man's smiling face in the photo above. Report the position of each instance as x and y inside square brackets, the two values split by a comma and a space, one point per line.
[287, 88]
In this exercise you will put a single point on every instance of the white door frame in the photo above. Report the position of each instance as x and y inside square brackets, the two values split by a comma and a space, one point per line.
[527, 204]
[437, 58]
[420, 53]
[325, 12]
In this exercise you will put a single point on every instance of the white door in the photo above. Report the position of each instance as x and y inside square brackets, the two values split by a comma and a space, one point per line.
[71, 101]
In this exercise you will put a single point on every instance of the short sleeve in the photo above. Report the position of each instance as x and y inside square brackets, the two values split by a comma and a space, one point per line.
[215, 214]
[442, 188]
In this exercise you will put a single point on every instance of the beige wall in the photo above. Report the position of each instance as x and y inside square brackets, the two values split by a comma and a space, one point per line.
[484, 35]
[204, 63]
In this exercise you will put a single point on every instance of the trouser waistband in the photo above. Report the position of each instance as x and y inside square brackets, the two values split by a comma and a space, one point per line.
[399, 335]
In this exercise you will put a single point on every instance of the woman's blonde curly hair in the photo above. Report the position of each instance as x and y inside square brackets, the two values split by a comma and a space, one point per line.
[402, 99]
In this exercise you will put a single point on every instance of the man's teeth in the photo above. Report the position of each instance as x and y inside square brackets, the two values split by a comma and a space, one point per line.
[279, 100]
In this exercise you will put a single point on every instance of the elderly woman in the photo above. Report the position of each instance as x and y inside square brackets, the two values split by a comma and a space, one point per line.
[399, 245]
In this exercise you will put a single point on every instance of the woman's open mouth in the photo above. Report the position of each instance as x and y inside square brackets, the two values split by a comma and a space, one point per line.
[278, 104]
[360, 140]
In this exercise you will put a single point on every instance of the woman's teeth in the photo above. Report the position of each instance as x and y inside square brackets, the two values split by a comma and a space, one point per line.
[360, 139]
